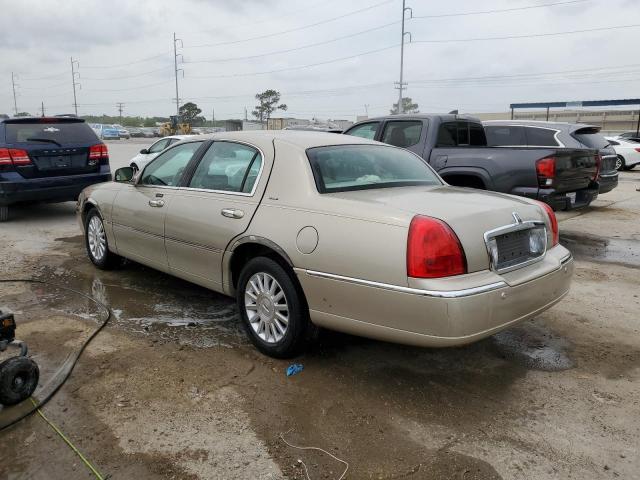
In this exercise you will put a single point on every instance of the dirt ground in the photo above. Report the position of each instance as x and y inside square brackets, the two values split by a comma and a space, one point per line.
[171, 389]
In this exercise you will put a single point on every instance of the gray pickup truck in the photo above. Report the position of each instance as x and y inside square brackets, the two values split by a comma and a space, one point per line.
[456, 147]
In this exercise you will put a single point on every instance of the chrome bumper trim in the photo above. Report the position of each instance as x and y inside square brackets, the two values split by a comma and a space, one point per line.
[414, 291]
[566, 259]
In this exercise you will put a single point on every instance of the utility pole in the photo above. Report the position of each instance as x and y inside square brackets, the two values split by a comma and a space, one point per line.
[75, 64]
[120, 107]
[42, 107]
[13, 84]
[366, 109]
[175, 64]
[400, 84]
[213, 116]
[245, 114]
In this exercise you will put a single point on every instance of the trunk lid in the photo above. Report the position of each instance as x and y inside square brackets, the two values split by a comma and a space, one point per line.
[575, 169]
[469, 212]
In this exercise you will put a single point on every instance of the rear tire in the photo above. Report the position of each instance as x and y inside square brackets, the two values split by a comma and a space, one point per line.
[4, 213]
[620, 163]
[18, 379]
[96, 243]
[273, 309]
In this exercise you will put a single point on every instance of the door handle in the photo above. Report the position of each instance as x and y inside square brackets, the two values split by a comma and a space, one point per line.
[232, 213]
[156, 203]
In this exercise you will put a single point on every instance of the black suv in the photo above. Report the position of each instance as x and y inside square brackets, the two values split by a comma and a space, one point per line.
[48, 159]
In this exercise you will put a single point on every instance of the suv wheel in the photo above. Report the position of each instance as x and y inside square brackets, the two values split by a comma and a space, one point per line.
[4, 213]
[620, 163]
[273, 310]
[97, 244]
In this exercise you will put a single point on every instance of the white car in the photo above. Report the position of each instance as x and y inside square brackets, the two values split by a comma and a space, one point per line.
[147, 154]
[628, 152]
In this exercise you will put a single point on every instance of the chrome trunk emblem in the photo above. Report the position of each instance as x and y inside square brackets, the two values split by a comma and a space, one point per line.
[516, 217]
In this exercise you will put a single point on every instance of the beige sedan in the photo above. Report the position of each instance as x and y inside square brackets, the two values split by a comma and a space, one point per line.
[309, 229]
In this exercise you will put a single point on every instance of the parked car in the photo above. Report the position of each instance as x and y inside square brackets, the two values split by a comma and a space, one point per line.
[310, 229]
[147, 132]
[48, 159]
[147, 154]
[106, 132]
[535, 134]
[456, 147]
[633, 136]
[122, 132]
[136, 132]
[627, 151]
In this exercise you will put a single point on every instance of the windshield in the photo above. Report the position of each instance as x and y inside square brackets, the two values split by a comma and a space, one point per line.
[342, 168]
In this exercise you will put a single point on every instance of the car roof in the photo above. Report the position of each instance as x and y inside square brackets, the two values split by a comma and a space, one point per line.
[300, 138]
[34, 119]
[443, 117]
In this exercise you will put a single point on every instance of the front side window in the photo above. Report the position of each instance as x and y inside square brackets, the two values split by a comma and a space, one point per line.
[342, 168]
[366, 130]
[542, 137]
[505, 135]
[167, 168]
[159, 146]
[402, 133]
[229, 167]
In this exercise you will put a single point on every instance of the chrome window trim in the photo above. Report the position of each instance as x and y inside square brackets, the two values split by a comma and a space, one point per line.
[227, 192]
[414, 291]
[515, 227]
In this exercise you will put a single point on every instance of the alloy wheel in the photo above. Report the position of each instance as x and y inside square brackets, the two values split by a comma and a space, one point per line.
[266, 307]
[96, 238]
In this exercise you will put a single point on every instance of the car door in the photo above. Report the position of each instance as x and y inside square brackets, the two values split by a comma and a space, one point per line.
[215, 206]
[139, 208]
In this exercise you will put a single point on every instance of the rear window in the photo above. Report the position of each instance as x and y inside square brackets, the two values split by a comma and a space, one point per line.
[52, 133]
[343, 168]
[591, 139]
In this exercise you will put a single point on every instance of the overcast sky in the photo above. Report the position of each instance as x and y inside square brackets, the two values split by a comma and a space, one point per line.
[125, 54]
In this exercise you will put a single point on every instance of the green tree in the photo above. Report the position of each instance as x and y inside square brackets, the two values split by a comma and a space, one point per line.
[189, 112]
[268, 104]
[407, 106]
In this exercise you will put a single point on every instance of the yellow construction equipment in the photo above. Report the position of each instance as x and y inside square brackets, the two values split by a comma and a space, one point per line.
[175, 127]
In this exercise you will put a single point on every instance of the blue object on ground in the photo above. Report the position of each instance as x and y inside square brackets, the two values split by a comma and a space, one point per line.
[294, 368]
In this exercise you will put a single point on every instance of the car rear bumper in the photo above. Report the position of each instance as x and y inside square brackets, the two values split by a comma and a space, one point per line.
[608, 182]
[559, 200]
[431, 318]
[50, 189]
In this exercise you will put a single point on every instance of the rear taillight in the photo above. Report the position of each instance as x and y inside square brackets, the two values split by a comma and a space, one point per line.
[99, 152]
[433, 249]
[637, 149]
[598, 158]
[14, 156]
[553, 221]
[546, 170]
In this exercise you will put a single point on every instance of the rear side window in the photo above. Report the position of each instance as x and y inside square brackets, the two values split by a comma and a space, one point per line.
[591, 140]
[541, 137]
[447, 135]
[228, 167]
[402, 133]
[61, 133]
[366, 130]
[462, 134]
[342, 168]
[505, 135]
[477, 137]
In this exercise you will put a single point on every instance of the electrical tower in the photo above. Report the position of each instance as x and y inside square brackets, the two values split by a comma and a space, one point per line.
[75, 64]
[120, 107]
[13, 84]
[175, 64]
[400, 84]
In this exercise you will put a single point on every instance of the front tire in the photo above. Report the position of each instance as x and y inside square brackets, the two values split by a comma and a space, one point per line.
[97, 244]
[620, 163]
[273, 310]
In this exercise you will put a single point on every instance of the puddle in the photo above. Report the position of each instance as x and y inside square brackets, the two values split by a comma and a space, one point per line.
[600, 249]
[533, 347]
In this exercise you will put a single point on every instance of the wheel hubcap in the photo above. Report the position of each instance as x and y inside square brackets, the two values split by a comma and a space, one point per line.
[618, 163]
[97, 239]
[266, 307]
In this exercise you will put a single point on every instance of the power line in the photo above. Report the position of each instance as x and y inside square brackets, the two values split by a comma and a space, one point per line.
[288, 50]
[303, 27]
[501, 10]
[149, 72]
[130, 88]
[134, 62]
[534, 35]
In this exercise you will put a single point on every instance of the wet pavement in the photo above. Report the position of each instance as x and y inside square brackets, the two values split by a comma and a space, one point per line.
[172, 388]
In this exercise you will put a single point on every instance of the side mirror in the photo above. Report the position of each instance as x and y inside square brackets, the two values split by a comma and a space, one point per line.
[144, 151]
[124, 174]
